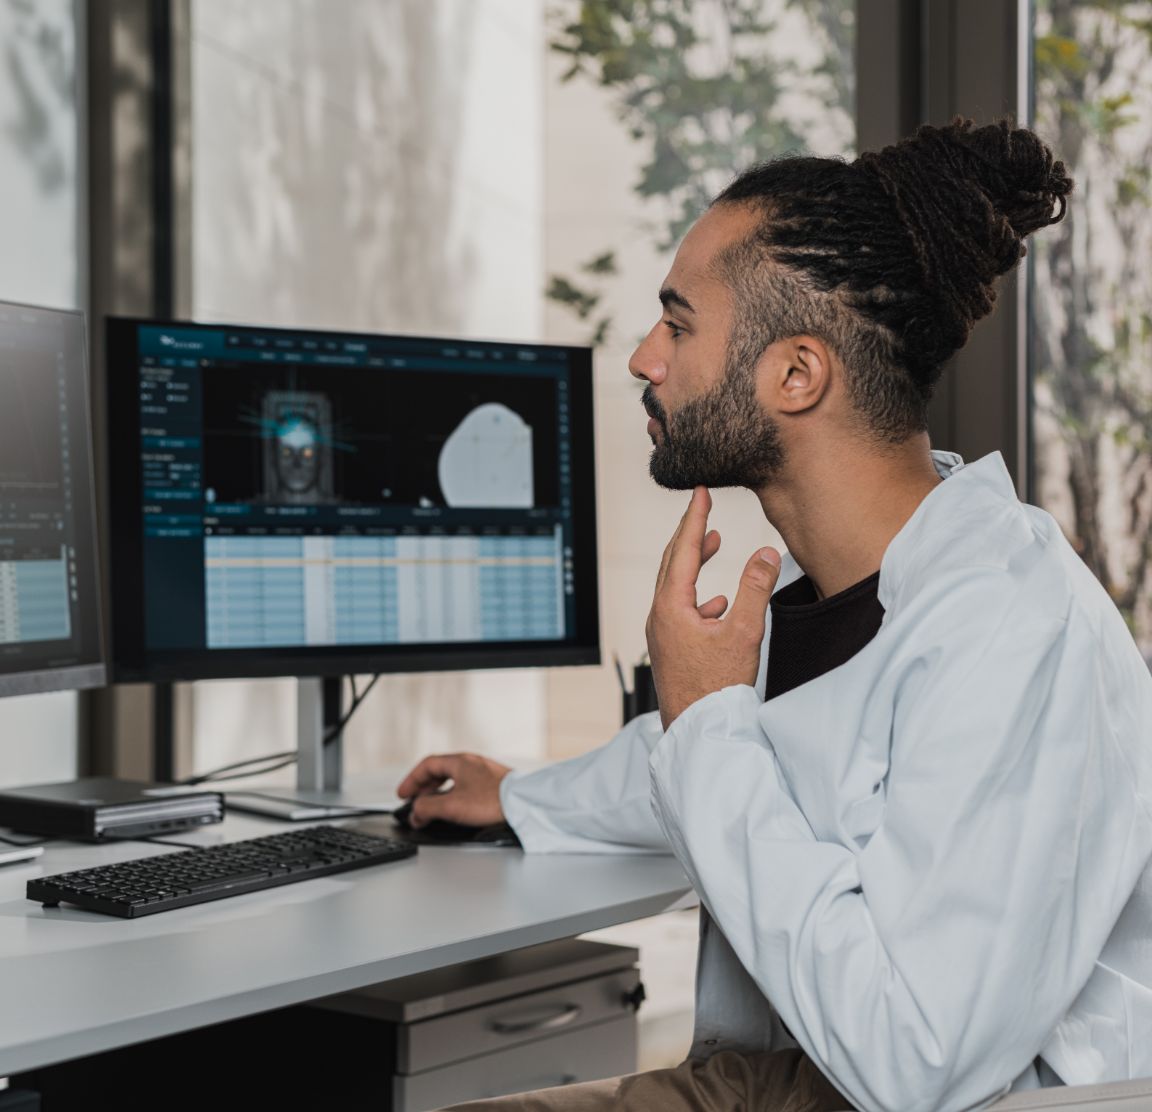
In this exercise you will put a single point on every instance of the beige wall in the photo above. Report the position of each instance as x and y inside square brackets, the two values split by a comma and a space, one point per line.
[376, 166]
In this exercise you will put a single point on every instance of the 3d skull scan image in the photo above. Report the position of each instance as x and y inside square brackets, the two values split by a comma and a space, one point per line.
[297, 427]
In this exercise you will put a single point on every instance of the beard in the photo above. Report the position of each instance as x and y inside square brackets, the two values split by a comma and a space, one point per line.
[720, 439]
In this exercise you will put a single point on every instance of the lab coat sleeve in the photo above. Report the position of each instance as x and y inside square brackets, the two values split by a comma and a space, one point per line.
[600, 802]
[925, 969]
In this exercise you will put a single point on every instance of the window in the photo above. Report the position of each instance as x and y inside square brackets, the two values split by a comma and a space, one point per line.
[1091, 323]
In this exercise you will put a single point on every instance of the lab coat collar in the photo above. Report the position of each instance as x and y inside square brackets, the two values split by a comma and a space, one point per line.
[989, 472]
[990, 469]
[948, 463]
[975, 491]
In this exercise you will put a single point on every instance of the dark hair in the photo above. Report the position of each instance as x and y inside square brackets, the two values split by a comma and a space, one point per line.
[890, 259]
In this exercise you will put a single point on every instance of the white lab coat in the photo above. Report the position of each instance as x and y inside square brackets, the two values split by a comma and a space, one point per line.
[933, 861]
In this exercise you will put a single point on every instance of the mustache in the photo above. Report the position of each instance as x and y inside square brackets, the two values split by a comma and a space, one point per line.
[653, 407]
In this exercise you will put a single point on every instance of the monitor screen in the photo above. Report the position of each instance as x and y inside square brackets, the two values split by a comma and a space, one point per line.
[316, 503]
[49, 602]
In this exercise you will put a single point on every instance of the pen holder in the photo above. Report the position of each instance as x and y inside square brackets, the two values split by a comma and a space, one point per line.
[642, 698]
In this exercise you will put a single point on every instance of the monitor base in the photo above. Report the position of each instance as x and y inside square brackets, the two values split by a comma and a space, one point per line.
[292, 804]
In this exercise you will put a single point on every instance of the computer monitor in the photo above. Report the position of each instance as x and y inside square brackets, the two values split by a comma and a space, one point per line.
[50, 636]
[307, 503]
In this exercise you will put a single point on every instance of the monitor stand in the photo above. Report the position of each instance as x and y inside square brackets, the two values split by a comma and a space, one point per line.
[319, 791]
[319, 763]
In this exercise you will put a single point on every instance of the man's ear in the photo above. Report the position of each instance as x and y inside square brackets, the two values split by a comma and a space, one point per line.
[795, 374]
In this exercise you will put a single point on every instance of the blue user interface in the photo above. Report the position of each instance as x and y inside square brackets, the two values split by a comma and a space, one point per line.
[48, 610]
[37, 550]
[303, 489]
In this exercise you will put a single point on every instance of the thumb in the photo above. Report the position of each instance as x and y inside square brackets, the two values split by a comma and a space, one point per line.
[756, 587]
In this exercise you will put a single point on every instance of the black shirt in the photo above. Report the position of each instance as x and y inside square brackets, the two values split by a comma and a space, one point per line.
[811, 636]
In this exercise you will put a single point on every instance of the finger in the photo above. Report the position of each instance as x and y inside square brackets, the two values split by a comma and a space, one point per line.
[684, 559]
[670, 547]
[713, 608]
[665, 556]
[755, 590]
[438, 805]
[428, 775]
[710, 546]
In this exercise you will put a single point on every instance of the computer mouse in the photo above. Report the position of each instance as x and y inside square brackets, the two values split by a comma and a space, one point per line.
[442, 832]
[440, 829]
[402, 815]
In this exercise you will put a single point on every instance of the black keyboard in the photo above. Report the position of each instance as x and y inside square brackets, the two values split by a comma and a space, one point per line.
[150, 884]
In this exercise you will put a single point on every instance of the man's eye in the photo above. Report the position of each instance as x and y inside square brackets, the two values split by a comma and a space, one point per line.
[675, 329]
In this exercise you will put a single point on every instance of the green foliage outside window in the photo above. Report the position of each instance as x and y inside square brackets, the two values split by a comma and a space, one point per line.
[699, 86]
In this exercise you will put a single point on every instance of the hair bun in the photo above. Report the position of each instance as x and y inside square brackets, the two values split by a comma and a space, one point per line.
[967, 197]
[1013, 167]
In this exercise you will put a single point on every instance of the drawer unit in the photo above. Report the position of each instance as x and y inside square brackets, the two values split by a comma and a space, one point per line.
[601, 1050]
[545, 1015]
[511, 1022]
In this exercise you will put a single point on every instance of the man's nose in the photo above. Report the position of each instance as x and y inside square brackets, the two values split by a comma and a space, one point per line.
[647, 364]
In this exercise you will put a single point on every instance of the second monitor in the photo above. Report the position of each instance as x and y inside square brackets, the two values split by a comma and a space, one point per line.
[318, 504]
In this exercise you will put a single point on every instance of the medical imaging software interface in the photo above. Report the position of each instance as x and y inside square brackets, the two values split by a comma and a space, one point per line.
[39, 604]
[311, 490]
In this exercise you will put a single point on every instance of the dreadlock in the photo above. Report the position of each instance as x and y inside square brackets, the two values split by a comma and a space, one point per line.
[891, 259]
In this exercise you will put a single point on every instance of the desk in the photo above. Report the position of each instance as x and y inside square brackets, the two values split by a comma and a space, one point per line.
[76, 983]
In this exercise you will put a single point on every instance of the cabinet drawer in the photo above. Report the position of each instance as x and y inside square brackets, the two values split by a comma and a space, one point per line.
[601, 1050]
[512, 1022]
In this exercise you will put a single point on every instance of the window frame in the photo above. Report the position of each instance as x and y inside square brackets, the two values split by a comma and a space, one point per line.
[927, 61]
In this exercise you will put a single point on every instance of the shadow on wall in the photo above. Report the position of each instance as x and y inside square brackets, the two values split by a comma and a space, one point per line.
[330, 190]
[39, 57]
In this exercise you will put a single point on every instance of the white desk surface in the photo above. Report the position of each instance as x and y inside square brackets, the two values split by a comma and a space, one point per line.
[73, 982]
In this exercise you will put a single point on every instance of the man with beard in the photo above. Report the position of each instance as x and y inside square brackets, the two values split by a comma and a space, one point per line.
[909, 770]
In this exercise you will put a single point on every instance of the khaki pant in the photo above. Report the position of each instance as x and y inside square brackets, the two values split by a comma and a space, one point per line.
[786, 1081]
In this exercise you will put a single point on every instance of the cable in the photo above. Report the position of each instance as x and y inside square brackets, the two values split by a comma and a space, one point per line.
[247, 773]
[288, 756]
[337, 729]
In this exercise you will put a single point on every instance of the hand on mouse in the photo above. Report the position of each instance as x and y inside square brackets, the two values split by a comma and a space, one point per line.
[473, 798]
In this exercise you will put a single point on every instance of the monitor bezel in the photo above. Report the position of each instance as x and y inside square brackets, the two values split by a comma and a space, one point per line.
[130, 661]
[77, 675]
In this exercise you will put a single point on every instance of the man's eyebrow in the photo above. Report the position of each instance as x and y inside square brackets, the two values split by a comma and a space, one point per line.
[670, 296]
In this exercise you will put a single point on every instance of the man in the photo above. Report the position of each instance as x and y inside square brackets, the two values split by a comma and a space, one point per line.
[914, 797]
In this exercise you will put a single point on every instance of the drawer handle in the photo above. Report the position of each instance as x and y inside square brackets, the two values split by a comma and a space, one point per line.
[562, 1018]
